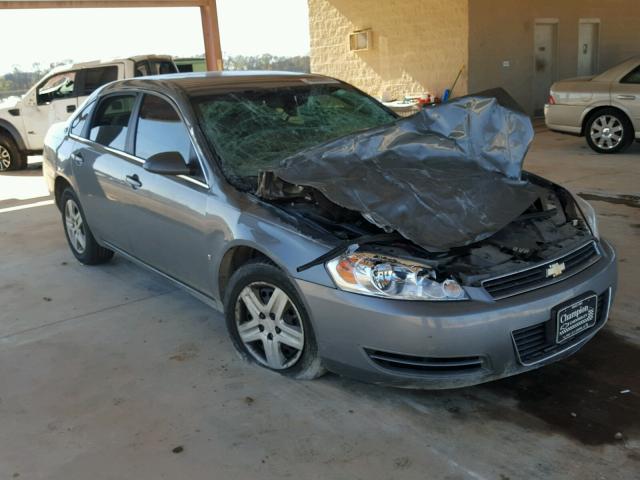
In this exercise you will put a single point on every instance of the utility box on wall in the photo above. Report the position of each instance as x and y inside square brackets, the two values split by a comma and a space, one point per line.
[360, 40]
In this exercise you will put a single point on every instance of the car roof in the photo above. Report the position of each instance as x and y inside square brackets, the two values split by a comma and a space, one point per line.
[617, 71]
[107, 61]
[203, 83]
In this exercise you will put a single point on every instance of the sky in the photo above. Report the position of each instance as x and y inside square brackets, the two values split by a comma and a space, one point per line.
[247, 27]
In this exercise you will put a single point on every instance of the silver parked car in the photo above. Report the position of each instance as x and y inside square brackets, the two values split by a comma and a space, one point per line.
[332, 234]
[604, 108]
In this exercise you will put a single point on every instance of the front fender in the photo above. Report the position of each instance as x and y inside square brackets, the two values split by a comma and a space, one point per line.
[284, 246]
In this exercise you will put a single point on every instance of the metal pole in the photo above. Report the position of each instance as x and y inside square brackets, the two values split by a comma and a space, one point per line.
[211, 34]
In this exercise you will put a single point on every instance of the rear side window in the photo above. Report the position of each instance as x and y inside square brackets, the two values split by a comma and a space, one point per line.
[160, 129]
[159, 67]
[111, 121]
[633, 76]
[154, 67]
[142, 69]
[96, 77]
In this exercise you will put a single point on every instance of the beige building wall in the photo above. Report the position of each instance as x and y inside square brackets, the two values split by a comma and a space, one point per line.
[418, 45]
[503, 30]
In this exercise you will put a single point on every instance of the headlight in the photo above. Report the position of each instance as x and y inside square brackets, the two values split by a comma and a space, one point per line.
[589, 215]
[381, 276]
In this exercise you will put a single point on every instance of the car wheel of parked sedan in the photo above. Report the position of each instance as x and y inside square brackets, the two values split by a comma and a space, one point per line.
[10, 157]
[608, 131]
[268, 323]
[83, 245]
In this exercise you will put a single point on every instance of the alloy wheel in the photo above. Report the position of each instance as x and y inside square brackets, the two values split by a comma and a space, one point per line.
[269, 325]
[606, 132]
[75, 226]
[5, 159]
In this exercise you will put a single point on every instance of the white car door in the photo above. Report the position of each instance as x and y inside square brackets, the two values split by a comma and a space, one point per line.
[53, 100]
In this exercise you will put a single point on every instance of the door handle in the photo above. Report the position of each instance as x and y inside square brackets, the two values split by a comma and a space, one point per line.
[133, 181]
[71, 108]
[626, 97]
[77, 159]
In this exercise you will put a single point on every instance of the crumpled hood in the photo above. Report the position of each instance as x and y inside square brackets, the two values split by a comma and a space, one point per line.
[445, 177]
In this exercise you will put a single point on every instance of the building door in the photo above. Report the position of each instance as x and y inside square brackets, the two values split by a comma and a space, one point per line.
[587, 48]
[544, 64]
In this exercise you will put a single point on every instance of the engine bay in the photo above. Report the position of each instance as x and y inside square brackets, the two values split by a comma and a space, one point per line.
[551, 226]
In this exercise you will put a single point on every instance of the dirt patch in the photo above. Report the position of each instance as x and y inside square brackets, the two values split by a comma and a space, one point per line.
[184, 352]
[581, 397]
[628, 200]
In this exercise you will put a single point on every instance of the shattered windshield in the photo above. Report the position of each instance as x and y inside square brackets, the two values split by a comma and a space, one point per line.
[254, 130]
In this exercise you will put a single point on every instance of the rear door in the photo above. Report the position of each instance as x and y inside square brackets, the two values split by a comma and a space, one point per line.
[169, 224]
[100, 166]
[90, 79]
[626, 94]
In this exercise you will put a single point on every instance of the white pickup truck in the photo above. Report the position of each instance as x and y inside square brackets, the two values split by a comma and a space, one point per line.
[25, 121]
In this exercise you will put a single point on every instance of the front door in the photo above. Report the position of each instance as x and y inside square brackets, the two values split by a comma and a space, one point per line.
[544, 73]
[587, 48]
[169, 228]
[55, 99]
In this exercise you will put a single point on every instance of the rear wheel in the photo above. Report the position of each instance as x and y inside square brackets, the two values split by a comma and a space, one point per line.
[10, 157]
[268, 323]
[81, 241]
[608, 131]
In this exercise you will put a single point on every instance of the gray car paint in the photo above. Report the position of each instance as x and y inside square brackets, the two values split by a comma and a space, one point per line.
[184, 230]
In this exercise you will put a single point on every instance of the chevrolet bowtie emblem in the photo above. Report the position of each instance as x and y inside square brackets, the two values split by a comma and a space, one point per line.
[555, 269]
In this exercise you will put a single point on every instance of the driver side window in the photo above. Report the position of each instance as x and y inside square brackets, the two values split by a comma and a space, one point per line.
[61, 85]
[160, 129]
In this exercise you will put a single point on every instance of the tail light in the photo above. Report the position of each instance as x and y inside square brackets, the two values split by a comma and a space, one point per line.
[551, 101]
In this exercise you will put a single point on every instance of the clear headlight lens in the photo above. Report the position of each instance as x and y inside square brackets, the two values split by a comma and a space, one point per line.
[381, 276]
[589, 215]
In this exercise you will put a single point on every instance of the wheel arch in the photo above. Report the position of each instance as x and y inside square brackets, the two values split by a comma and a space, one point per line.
[237, 255]
[12, 132]
[589, 113]
[60, 184]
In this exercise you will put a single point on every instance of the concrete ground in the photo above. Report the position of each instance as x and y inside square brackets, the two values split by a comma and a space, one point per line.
[111, 373]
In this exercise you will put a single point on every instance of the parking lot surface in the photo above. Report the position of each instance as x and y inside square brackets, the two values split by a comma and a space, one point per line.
[112, 373]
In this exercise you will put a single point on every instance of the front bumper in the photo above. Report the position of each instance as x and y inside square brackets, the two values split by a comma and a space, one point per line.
[349, 327]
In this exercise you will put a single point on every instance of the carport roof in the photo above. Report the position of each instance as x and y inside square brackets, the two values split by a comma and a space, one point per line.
[208, 14]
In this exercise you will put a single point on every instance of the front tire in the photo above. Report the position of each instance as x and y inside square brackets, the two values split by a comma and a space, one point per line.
[10, 157]
[79, 237]
[608, 131]
[268, 322]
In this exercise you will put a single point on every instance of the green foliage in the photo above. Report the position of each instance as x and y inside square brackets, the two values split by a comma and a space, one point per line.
[19, 81]
[267, 61]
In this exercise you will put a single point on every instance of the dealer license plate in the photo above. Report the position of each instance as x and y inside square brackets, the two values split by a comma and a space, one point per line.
[576, 318]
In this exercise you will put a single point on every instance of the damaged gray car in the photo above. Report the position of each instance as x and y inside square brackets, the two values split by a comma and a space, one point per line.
[335, 236]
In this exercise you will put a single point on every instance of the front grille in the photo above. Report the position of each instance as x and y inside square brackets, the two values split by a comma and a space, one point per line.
[537, 342]
[424, 365]
[536, 277]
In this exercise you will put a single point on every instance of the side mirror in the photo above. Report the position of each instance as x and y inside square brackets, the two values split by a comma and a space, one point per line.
[167, 163]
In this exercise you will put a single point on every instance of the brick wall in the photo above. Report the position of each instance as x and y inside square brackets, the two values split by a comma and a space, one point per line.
[418, 45]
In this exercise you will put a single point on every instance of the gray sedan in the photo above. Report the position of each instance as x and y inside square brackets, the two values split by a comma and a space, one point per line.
[604, 108]
[180, 175]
